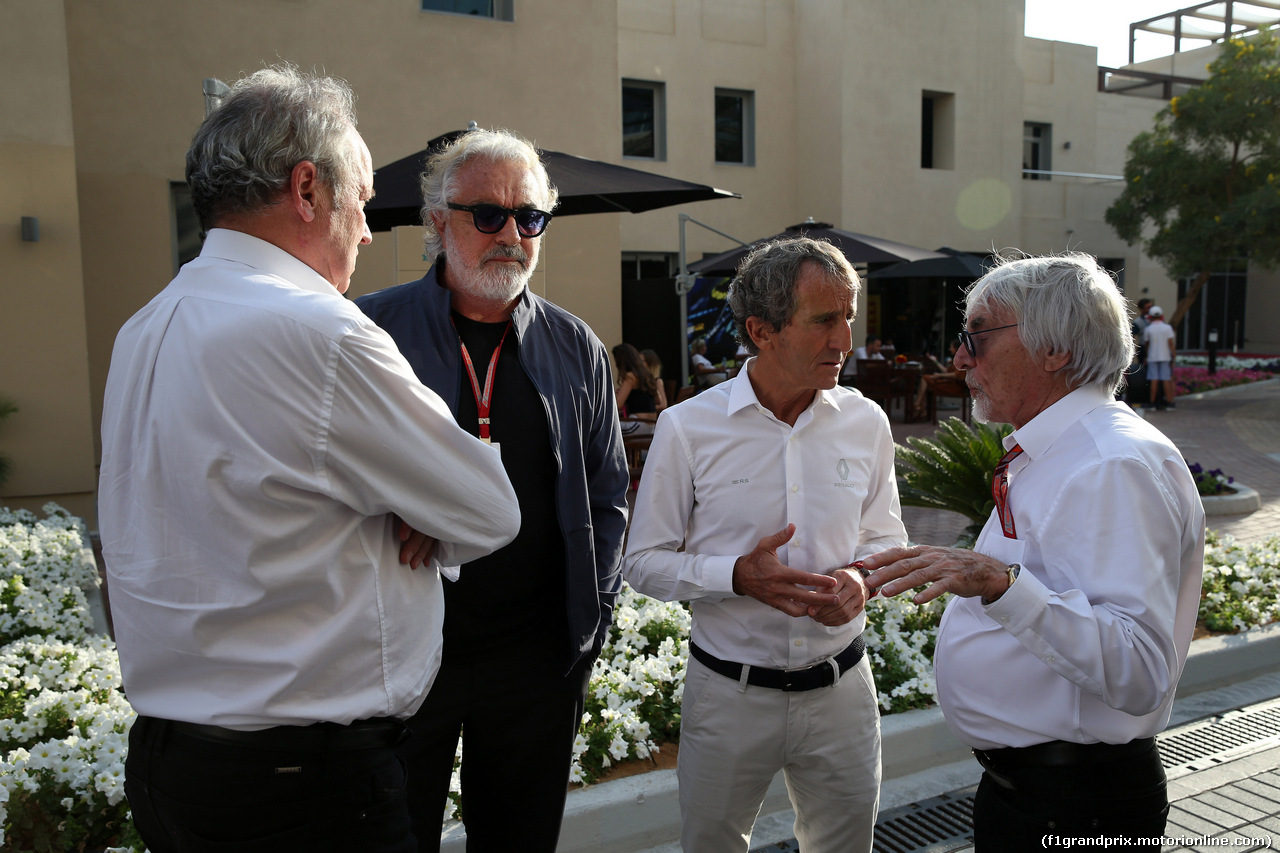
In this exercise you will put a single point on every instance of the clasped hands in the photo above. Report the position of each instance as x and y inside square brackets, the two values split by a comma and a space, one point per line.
[830, 600]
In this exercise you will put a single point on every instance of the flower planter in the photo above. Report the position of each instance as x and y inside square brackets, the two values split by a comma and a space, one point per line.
[1242, 501]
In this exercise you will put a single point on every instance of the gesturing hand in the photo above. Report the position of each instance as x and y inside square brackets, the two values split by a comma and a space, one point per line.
[955, 570]
[761, 576]
[851, 597]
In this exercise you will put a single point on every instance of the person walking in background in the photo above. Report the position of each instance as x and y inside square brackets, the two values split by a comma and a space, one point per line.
[260, 439]
[1059, 654]
[523, 626]
[1161, 353]
[640, 396]
[758, 495]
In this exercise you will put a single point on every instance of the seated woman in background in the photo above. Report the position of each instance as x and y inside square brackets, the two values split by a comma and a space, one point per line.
[654, 363]
[947, 379]
[639, 395]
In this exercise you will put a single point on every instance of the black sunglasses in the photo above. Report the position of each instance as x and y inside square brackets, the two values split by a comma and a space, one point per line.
[490, 218]
[968, 342]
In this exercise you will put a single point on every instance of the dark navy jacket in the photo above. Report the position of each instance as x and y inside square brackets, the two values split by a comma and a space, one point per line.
[570, 369]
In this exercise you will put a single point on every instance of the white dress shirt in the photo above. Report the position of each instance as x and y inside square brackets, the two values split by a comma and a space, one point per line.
[257, 431]
[1088, 644]
[722, 473]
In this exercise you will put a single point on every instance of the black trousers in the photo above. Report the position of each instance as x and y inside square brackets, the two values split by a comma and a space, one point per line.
[518, 723]
[191, 795]
[1124, 798]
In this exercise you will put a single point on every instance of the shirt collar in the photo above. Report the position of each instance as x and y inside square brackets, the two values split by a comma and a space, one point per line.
[1038, 435]
[242, 248]
[742, 394]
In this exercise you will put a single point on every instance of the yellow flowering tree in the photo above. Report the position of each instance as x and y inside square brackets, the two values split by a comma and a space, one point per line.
[1203, 185]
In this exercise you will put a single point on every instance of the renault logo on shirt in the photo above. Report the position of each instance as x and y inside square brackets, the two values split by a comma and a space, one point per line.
[842, 468]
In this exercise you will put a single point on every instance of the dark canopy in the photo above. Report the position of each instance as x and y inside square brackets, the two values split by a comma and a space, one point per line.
[955, 264]
[858, 248]
[586, 186]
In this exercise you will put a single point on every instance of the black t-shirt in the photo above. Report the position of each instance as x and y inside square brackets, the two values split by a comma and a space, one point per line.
[515, 596]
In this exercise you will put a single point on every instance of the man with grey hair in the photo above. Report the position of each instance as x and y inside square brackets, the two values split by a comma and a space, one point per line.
[261, 441]
[523, 626]
[1058, 656]
[758, 496]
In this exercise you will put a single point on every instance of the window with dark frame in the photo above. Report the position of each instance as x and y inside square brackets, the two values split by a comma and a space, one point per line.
[1037, 139]
[643, 120]
[937, 130]
[498, 10]
[735, 126]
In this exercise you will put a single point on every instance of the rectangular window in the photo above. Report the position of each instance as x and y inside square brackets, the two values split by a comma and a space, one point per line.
[499, 10]
[187, 238]
[644, 120]
[735, 127]
[937, 130]
[1037, 139]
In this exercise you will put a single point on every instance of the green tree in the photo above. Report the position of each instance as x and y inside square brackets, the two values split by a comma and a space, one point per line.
[1203, 186]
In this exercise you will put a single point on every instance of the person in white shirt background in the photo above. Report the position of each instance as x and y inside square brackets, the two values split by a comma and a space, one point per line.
[269, 462]
[868, 351]
[774, 483]
[1058, 657]
[1161, 352]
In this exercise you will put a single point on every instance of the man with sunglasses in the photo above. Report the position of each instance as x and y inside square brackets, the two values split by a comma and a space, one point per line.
[523, 626]
[1058, 657]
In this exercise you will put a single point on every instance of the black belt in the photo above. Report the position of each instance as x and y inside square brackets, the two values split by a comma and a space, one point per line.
[820, 674]
[1060, 753]
[318, 737]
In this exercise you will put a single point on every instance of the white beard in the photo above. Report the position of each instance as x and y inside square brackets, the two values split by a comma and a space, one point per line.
[500, 283]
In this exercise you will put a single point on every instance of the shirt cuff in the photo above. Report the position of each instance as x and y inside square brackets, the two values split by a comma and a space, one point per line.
[1021, 603]
[717, 575]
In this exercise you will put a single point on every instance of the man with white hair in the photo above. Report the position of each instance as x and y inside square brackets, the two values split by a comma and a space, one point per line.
[1058, 657]
[523, 626]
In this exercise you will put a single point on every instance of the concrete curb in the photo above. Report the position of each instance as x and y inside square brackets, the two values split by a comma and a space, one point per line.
[642, 812]
[1243, 500]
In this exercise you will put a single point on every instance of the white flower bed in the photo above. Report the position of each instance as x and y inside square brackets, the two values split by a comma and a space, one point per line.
[64, 720]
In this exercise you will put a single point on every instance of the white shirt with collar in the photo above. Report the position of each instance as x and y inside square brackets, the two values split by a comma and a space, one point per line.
[1088, 644]
[257, 431]
[722, 473]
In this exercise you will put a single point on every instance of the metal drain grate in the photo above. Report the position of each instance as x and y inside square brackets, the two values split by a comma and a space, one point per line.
[930, 826]
[1206, 743]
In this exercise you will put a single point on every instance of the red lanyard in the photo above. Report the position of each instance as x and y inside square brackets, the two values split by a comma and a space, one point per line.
[484, 399]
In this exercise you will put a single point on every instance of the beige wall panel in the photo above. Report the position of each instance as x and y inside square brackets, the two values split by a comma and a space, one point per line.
[653, 16]
[886, 192]
[692, 69]
[579, 271]
[42, 312]
[136, 93]
[736, 21]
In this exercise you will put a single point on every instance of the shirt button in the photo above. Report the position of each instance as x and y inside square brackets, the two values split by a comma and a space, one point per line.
[795, 487]
[799, 642]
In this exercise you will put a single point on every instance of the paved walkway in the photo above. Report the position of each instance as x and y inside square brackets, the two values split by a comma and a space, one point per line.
[1231, 801]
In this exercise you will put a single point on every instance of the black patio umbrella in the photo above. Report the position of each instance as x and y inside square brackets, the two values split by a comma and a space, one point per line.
[955, 264]
[586, 186]
[858, 248]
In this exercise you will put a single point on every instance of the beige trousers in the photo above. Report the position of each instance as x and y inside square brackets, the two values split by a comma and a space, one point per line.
[734, 738]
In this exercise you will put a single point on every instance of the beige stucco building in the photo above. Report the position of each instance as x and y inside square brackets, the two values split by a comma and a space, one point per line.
[100, 100]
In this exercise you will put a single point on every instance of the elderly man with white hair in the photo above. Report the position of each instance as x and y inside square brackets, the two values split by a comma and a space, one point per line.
[1058, 657]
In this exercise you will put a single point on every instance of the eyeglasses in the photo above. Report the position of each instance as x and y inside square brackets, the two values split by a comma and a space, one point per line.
[490, 218]
[967, 338]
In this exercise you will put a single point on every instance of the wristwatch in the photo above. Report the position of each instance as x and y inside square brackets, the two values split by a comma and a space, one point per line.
[1012, 570]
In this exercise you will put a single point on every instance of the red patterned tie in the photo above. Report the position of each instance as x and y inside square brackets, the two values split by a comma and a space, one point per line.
[1000, 491]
